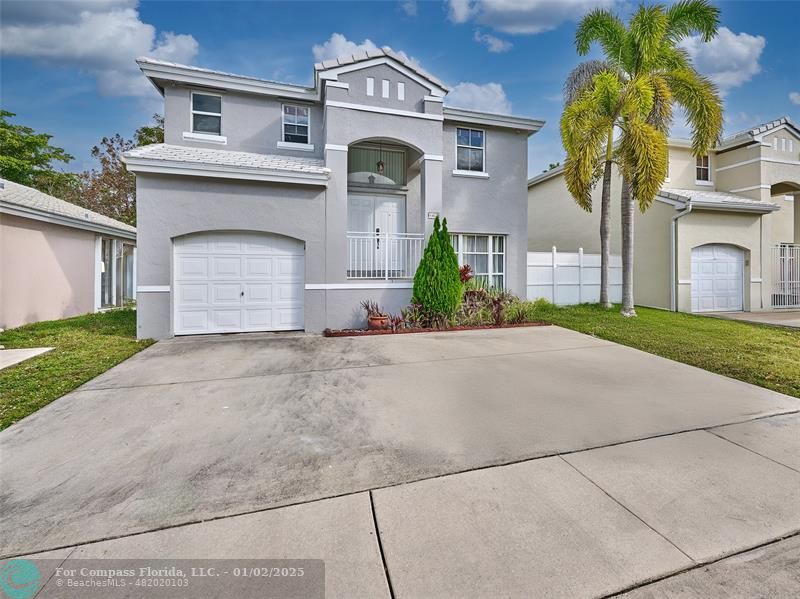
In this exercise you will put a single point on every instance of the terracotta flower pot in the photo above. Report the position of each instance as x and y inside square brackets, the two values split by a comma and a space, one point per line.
[376, 323]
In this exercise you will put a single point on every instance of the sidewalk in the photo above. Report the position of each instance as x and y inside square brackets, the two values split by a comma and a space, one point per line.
[583, 524]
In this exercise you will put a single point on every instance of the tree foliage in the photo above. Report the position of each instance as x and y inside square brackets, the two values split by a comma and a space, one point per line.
[27, 157]
[111, 189]
[437, 282]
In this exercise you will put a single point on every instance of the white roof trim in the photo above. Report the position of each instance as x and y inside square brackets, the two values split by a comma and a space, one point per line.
[507, 121]
[60, 219]
[203, 169]
[542, 177]
[195, 76]
[334, 72]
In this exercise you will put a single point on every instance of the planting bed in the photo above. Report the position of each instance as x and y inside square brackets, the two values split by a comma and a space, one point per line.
[365, 332]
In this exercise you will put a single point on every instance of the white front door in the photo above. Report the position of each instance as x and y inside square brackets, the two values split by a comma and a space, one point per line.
[717, 278]
[226, 282]
[377, 216]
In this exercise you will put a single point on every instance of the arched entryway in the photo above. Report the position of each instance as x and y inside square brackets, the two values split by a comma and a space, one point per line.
[718, 278]
[237, 281]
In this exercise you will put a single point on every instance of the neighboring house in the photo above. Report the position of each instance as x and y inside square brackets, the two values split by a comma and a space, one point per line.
[273, 206]
[58, 259]
[722, 234]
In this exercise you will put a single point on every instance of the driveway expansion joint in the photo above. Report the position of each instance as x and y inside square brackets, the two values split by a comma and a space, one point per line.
[380, 546]
[626, 508]
[750, 449]
[701, 564]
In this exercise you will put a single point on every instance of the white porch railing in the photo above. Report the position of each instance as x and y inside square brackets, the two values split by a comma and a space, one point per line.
[786, 276]
[383, 255]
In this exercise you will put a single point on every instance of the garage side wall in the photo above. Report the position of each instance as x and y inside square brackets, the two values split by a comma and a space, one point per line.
[171, 206]
[703, 227]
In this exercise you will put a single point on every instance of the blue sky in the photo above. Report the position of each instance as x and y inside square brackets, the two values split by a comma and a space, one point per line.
[67, 66]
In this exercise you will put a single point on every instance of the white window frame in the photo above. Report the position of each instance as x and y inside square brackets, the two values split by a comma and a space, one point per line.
[401, 91]
[202, 135]
[370, 86]
[484, 173]
[490, 253]
[293, 145]
[385, 88]
[698, 181]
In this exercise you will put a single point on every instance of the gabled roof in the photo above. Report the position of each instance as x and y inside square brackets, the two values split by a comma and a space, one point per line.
[715, 200]
[330, 69]
[204, 162]
[24, 201]
[755, 133]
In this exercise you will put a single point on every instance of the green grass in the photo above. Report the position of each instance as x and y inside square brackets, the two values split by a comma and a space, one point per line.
[759, 354]
[85, 346]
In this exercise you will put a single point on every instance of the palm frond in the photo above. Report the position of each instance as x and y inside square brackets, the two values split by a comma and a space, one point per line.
[607, 29]
[647, 29]
[700, 98]
[581, 78]
[661, 113]
[644, 164]
[689, 17]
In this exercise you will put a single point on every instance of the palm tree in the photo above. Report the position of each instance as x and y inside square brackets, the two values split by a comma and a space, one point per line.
[647, 73]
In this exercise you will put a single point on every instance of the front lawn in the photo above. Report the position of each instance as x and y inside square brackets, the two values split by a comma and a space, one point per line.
[762, 355]
[85, 346]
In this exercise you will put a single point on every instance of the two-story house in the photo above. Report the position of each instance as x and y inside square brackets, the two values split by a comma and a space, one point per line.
[722, 234]
[273, 206]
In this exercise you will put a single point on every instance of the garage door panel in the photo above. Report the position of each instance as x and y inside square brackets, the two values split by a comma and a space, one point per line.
[192, 267]
[228, 282]
[258, 267]
[193, 320]
[226, 293]
[717, 278]
[226, 267]
[258, 293]
[289, 268]
[192, 293]
[258, 319]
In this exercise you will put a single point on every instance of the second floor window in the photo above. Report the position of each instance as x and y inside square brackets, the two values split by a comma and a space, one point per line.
[206, 114]
[470, 149]
[703, 168]
[296, 124]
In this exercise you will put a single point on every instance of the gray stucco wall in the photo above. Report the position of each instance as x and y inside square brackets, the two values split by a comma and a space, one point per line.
[498, 204]
[170, 206]
[251, 123]
[357, 80]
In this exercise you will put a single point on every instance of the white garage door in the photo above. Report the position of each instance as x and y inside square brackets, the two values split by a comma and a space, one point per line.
[717, 278]
[233, 282]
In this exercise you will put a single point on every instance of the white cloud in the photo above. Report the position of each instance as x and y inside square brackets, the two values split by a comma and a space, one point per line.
[522, 16]
[729, 60]
[410, 7]
[494, 44]
[101, 37]
[338, 45]
[794, 97]
[489, 97]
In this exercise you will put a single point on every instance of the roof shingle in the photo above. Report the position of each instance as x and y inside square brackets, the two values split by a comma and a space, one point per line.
[27, 197]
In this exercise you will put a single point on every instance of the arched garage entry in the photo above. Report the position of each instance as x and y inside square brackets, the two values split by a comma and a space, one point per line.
[237, 281]
[717, 278]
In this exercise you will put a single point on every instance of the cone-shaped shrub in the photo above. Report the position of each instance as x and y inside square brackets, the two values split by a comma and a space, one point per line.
[437, 284]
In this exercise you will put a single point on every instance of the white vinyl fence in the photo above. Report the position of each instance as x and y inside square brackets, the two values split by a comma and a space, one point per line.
[567, 278]
[786, 276]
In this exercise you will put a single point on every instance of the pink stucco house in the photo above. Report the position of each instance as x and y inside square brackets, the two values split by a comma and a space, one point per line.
[58, 259]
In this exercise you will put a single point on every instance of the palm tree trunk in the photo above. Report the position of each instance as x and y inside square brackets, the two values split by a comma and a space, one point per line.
[605, 226]
[628, 207]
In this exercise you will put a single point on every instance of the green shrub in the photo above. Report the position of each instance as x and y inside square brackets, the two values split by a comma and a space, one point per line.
[437, 283]
[526, 311]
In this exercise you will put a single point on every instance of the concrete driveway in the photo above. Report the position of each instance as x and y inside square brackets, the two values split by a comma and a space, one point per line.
[390, 450]
[778, 318]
